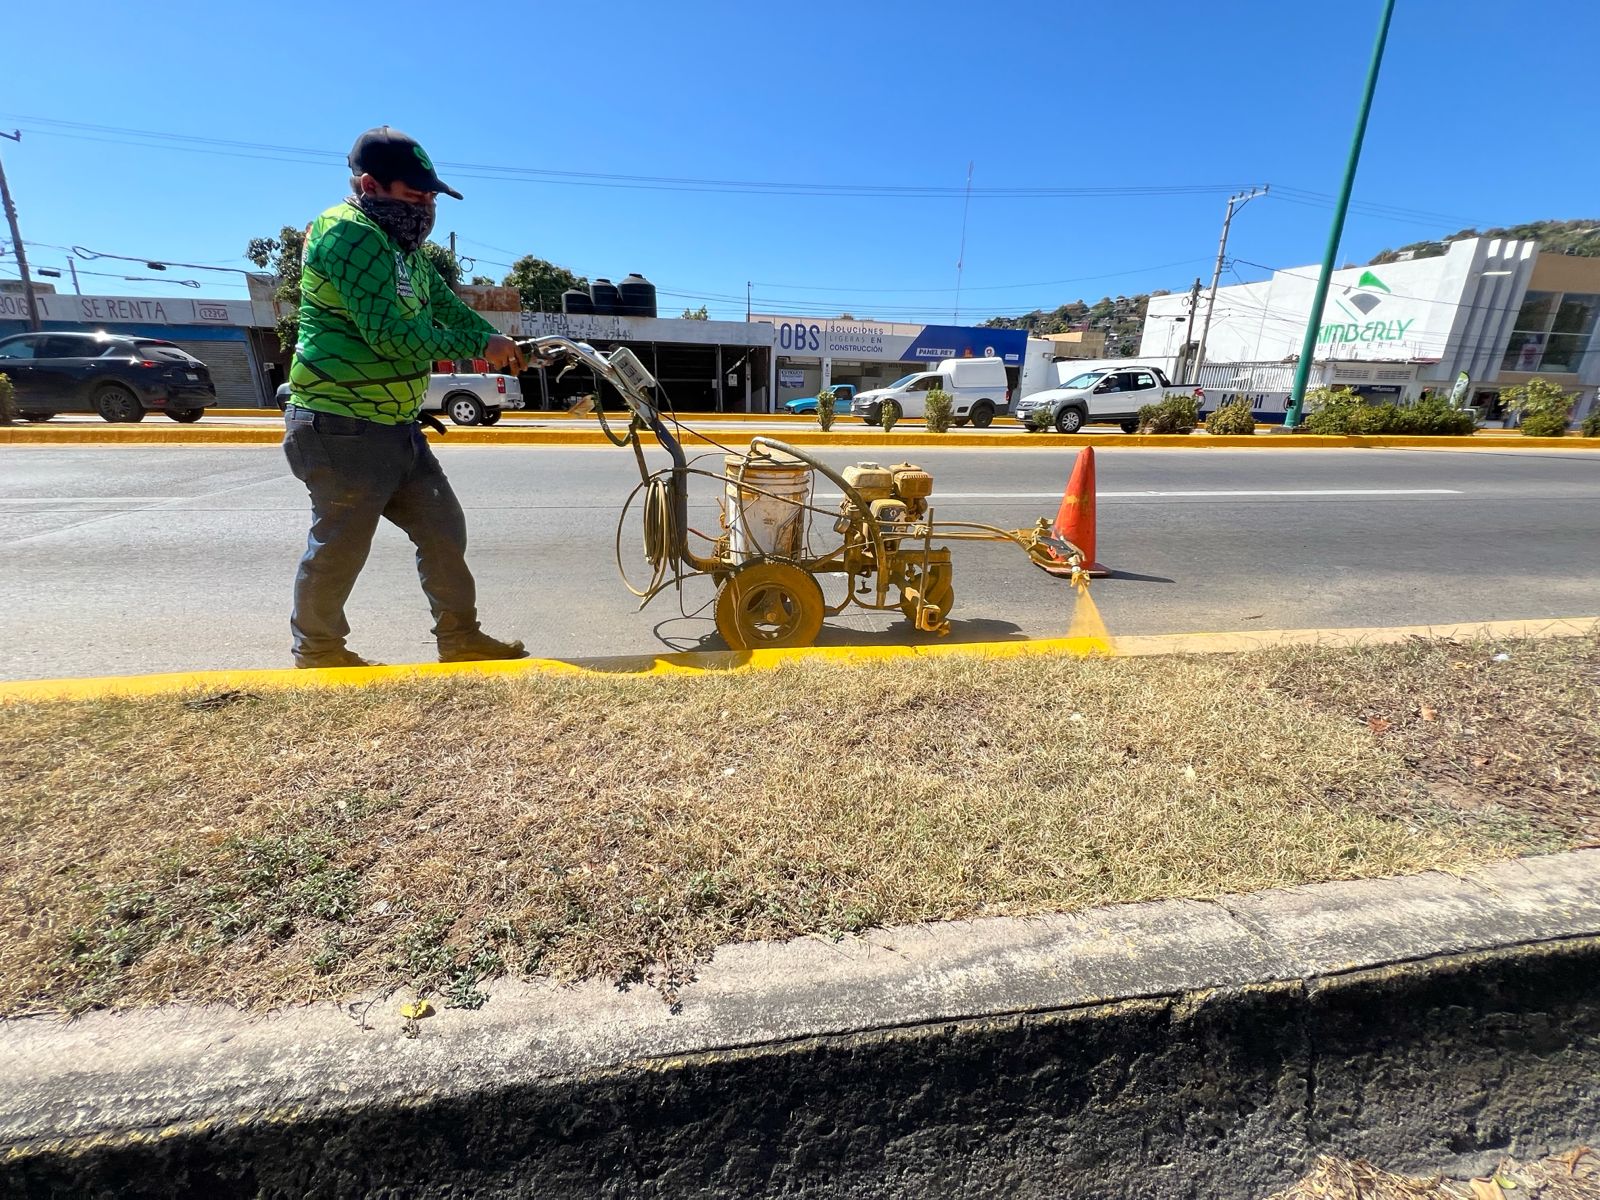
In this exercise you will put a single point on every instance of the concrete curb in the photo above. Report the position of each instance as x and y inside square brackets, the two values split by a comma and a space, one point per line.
[1171, 1049]
[28, 691]
[226, 435]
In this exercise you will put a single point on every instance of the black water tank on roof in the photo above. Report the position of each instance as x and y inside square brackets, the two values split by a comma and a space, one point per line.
[638, 296]
[576, 300]
[605, 296]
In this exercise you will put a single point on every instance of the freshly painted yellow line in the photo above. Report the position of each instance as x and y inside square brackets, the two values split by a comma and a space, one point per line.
[539, 414]
[702, 662]
[237, 435]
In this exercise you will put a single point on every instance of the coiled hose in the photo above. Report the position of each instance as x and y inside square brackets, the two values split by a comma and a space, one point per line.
[659, 534]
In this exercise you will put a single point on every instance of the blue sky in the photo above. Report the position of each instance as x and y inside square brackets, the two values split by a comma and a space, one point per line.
[1484, 115]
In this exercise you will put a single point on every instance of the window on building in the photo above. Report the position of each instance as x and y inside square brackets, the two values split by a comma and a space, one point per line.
[1570, 333]
[1552, 332]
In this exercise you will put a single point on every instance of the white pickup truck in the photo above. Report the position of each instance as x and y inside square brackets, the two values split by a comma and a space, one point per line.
[1101, 395]
[471, 397]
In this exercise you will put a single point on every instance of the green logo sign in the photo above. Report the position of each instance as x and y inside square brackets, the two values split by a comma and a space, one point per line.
[1359, 303]
[422, 157]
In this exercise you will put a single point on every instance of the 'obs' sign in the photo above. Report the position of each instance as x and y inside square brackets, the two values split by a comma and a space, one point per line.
[803, 339]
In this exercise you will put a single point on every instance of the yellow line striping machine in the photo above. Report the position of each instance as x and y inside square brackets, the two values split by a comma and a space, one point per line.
[767, 572]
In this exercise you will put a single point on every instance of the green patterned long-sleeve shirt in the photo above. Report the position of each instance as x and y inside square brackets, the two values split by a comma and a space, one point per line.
[373, 320]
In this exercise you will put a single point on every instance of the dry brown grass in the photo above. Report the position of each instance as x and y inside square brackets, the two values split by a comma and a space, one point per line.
[1574, 1175]
[306, 845]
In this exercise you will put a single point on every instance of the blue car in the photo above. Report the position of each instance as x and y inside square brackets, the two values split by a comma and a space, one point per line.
[843, 395]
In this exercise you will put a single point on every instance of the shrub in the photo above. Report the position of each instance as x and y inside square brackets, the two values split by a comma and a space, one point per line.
[8, 408]
[1545, 408]
[888, 414]
[1436, 415]
[1330, 410]
[1341, 411]
[825, 413]
[1591, 423]
[1175, 414]
[1234, 417]
[938, 409]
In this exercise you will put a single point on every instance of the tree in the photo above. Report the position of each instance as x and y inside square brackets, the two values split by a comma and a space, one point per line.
[448, 266]
[282, 256]
[1545, 407]
[483, 281]
[541, 283]
[696, 314]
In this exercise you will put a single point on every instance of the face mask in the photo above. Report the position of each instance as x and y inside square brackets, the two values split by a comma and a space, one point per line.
[407, 224]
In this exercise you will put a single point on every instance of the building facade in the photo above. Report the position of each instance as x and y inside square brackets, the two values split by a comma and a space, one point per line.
[811, 353]
[702, 366]
[1496, 310]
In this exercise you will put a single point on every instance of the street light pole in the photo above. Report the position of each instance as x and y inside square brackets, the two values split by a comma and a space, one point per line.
[1235, 203]
[1302, 370]
[16, 240]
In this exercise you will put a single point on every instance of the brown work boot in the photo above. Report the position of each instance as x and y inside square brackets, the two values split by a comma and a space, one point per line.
[477, 646]
[332, 658]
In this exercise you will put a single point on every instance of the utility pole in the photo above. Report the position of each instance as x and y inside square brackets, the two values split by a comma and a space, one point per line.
[747, 301]
[1235, 203]
[961, 255]
[1188, 333]
[16, 240]
[1308, 347]
[73, 267]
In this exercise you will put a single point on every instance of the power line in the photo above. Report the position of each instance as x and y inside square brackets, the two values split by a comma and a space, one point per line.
[991, 287]
[474, 170]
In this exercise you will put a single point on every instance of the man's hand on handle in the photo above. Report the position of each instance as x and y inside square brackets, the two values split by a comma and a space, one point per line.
[503, 354]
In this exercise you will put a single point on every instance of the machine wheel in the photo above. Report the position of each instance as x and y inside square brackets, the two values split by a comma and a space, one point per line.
[960, 422]
[116, 403]
[1032, 428]
[492, 417]
[1069, 420]
[891, 406]
[769, 605]
[465, 409]
[873, 415]
[37, 417]
[1131, 425]
[982, 415]
[940, 593]
[185, 416]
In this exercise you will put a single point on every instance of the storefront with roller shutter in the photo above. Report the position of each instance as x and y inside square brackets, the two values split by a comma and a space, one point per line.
[217, 332]
[230, 358]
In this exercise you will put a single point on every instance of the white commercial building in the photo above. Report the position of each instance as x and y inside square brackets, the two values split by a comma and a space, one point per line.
[1492, 308]
[811, 353]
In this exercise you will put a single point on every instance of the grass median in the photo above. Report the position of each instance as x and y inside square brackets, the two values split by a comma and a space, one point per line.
[263, 850]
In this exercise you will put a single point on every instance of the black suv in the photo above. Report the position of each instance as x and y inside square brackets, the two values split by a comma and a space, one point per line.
[121, 378]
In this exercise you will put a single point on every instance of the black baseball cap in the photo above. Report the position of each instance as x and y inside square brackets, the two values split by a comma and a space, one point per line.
[390, 156]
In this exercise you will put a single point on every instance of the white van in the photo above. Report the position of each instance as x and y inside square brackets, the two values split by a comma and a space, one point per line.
[979, 387]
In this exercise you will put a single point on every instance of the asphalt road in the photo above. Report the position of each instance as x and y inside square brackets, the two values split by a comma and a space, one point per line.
[135, 559]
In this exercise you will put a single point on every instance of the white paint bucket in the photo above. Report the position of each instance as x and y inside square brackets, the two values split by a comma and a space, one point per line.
[767, 514]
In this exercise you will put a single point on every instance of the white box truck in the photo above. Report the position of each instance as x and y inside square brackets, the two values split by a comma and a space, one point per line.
[978, 387]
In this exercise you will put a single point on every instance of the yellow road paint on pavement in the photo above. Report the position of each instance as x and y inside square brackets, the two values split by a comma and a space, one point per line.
[242, 435]
[107, 687]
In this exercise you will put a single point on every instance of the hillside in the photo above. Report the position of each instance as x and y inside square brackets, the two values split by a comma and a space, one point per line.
[1581, 237]
[1121, 318]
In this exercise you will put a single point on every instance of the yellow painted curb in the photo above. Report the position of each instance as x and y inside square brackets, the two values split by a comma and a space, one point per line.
[703, 662]
[235, 435]
[539, 414]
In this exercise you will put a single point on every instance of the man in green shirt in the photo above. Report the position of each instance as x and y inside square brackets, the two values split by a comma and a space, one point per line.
[374, 316]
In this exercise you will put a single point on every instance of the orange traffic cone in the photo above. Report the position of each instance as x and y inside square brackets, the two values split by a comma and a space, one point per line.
[1075, 518]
